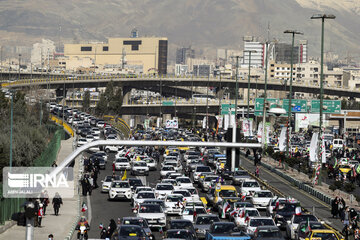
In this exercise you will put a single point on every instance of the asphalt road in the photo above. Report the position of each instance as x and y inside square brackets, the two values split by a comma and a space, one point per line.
[312, 204]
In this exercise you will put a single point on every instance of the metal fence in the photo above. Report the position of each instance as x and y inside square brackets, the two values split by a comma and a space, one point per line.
[9, 206]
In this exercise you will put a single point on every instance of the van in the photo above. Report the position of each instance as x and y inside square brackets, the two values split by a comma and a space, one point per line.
[338, 143]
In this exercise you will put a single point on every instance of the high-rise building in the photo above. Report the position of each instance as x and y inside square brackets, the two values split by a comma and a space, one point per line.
[41, 52]
[183, 53]
[283, 53]
[303, 54]
[252, 44]
[148, 52]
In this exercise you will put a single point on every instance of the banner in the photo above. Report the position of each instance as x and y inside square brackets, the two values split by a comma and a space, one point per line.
[313, 147]
[259, 132]
[323, 155]
[220, 120]
[304, 120]
[204, 123]
[226, 121]
[158, 122]
[282, 139]
[172, 123]
[247, 127]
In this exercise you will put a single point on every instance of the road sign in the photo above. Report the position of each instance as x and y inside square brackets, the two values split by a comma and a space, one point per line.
[330, 106]
[167, 103]
[259, 103]
[226, 106]
[258, 113]
[300, 105]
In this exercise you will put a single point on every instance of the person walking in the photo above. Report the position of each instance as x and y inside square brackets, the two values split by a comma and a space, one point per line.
[257, 171]
[335, 207]
[44, 200]
[40, 214]
[57, 201]
[345, 219]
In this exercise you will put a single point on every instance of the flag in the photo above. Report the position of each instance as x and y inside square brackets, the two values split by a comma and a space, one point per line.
[127, 152]
[194, 214]
[84, 207]
[336, 162]
[298, 210]
[233, 212]
[307, 226]
[208, 210]
[358, 169]
[243, 212]
[101, 226]
[243, 197]
[246, 216]
[124, 176]
[161, 231]
[226, 206]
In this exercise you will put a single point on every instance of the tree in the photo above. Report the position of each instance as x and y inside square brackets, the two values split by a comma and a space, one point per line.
[102, 106]
[86, 101]
[116, 102]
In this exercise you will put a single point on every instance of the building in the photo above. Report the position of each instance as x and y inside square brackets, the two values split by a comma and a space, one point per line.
[283, 53]
[183, 53]
[181, 70]
[257, 57]
[41, 52]
[303, 51]
[149, 52]
[201, 70]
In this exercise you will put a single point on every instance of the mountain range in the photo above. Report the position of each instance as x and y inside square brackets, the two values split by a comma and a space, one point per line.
[203, 24]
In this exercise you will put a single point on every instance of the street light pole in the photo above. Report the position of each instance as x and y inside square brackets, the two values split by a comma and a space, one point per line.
[322, 17]
[233, 150]
[265, 96]
[19, 67]
[248, 92]
[293, 32]
[11, 127]
[207, 105]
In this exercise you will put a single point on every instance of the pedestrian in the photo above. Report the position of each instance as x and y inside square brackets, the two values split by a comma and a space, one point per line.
[44, 200]
[257, 171]
[345, 219]
[54, 164]
[40, 214]
[90, 184]
[357, 233]
[57, 201]
[112, 226]
[51, 237]
[113, 167]
[335, 207]
[95, 176]
[83, 186]
[36, 210]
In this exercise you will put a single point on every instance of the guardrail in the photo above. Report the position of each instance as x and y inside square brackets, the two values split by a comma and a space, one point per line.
[66, 126]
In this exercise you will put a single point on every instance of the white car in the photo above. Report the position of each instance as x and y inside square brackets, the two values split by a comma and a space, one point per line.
[185, 193]
[194, 193]
[81, 141]
[151, 163]
[163, 189]
[142, 188]
[272, 205]
[105, 186]
[172, 182]
[261, 199]
[153, 213]
[120, 189]
[240, 221]
[184, 182]
[254, 222]
[143, 196]
[100, 124]
[122, 164]
[111, 149]
[248, 187]
[89, 138]
[200, 169]
[177, 166]
[188, 212]
[139, 168]
[96, 136]
[173, 203]
[165, 170]
[96, 130]
[295, 220]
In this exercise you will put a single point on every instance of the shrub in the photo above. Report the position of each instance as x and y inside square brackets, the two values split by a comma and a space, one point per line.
[338, 184]
[349, 187]
[332, 187]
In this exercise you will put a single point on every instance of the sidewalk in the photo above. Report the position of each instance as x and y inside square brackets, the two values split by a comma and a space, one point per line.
[324, 188]
[60, 225]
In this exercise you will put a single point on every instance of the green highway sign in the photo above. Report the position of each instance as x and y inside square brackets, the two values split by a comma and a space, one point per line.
[300, 105]
[258, 113]
[168, 103]
[259, 103]
[226, 112]
[330, 106]
[226, 106]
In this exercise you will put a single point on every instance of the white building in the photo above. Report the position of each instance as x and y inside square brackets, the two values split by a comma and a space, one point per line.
[41, 52]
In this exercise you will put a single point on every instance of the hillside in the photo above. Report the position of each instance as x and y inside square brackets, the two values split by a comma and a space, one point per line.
[201, 23]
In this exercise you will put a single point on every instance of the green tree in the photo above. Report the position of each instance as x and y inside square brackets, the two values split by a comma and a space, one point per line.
[109, 91]
[116, 102]
[86, 101]
[102, 106]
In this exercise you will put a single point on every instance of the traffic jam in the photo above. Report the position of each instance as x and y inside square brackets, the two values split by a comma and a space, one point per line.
[195, 197]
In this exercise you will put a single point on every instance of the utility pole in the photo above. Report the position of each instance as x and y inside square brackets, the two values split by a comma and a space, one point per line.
[207, 105]
[233, 150]
[293, 32]
[11, 127]
[19, 67]
[248, 90]
[263, 142]
[322, 17]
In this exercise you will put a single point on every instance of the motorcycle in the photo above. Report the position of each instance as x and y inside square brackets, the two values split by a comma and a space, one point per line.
[83, 233]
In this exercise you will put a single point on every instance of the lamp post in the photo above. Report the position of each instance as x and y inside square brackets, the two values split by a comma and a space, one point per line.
[293, 32]
[19, 67]
[160, 102]
[11, 127]
[207, 105]
[265, 96]
[322, 17]
[233, 151]
[248, 92]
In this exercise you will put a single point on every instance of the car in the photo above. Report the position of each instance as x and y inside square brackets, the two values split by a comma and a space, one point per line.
[188, 212]
[272, 204]
[173, 203]
[182, 224]
[100, 124]
[203, 223]
[184, 182]
[261, 199]
[179, 234]
[122, 164]
[207, 181]
[292, 224]
[284, 212]
[194, 193]
[165, 170]
[241, 217]
[106, 183]
[140, 222]
[268, 233]
[109, 148]
[254, 222]
[142, 196]
[327, 234]
[134, 183]
[163, 189]
[200, 169]
[130, 232]
[151, 163]
[153, 213]
[102, 163]
[223, 228]
[248, 187]
[185, 193]
[96, 136]
[139, 168]
[302, 231]
[81, 141]
[95, 130]
[239, 176]
[120, 189]
[172, 182]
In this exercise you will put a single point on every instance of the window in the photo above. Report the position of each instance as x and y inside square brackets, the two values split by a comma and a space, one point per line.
[105, 48]
[272, 70]
[316, 69]
[86, 49]
[134, 44]
[272, 65]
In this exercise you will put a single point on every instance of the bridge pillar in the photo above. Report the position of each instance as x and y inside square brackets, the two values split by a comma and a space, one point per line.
[60, 93]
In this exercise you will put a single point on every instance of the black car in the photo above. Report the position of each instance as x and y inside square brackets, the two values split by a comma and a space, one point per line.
[135, 182]
[180, 234]
[268, 232]
[182, 224]
[284, 213]
[130, 232]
